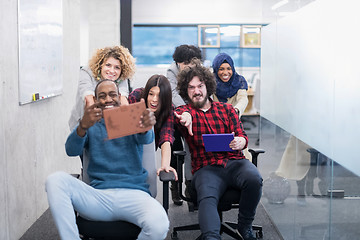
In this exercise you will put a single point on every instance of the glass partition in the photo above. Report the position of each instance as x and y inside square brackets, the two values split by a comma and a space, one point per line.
[306, 194]
[309, 124]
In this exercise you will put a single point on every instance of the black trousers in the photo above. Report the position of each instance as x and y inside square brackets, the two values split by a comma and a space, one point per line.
[211, 182]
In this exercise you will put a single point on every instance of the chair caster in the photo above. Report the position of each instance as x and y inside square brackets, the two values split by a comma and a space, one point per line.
[174, 236]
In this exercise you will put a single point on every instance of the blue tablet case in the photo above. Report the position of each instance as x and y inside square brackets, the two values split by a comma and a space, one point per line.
[217, 142]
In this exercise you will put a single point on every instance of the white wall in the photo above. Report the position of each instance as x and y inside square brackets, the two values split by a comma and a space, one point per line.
[311, 78]
[100, 26]
[84, 33]
[197, 12]
[32, 136]
[211, 11]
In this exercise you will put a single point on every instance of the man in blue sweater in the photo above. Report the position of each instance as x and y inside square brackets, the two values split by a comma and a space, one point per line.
[117, 188]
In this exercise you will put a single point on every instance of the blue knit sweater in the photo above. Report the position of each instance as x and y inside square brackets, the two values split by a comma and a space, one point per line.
[115, 163]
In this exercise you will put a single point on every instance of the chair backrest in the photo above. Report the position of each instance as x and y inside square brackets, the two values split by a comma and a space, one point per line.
[149, 163]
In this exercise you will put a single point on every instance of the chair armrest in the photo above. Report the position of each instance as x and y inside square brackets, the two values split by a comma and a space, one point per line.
[255, 153]
[166, 176]
[180, 153]
[180, 162]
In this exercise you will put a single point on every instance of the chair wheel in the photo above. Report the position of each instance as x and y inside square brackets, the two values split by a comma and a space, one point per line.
[174, 236]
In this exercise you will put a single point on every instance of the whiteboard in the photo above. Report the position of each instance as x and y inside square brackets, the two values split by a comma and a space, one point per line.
[40, 28]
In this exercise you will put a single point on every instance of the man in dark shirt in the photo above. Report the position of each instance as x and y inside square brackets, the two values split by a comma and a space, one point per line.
[214, 172]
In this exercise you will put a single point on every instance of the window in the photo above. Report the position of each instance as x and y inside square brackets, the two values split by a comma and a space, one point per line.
[230, 39]
[154, 45]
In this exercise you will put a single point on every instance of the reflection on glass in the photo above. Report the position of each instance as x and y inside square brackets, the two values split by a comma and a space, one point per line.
[209, 36]
[243, 57]
[251, 37]
[276, 189]
[155, 45]
[230, 36]
[324, 200]
[210, 53]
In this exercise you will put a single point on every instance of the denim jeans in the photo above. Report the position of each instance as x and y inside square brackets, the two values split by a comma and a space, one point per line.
[66, 194]
[211, 182]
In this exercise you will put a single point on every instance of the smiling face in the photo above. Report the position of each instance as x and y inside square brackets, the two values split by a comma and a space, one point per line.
[197, 93]
[111, 69]
[107, 95]
[225, 72]
[153, 100]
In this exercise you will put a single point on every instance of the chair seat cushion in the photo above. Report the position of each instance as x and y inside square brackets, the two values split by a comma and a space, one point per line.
[229, 200]
[107, 230]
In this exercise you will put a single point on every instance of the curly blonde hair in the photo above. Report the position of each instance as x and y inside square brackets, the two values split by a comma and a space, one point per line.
[127, 61]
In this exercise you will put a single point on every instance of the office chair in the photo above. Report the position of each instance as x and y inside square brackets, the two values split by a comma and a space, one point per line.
[121, 229]
[228, 201]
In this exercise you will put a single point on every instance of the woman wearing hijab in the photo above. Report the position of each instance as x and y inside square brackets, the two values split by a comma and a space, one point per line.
[230, 86]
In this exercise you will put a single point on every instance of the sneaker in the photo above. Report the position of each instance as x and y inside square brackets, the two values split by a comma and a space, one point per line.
[246, 233]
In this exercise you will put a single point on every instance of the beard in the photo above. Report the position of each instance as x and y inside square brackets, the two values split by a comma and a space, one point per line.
[200, 104]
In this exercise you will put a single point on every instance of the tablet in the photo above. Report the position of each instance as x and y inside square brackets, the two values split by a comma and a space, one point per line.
[217, 142]
[124, 120]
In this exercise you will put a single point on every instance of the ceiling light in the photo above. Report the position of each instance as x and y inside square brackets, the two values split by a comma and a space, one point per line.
[279, 4]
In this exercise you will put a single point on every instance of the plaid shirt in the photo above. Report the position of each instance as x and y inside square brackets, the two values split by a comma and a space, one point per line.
[220, 118]
[166, 132]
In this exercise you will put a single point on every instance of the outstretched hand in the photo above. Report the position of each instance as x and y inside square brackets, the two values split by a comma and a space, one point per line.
[185, 120]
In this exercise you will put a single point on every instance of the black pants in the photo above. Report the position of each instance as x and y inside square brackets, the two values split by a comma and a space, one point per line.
[211, 182]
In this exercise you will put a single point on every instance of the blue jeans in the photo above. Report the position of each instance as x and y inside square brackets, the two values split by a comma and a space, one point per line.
[66, 194]
[211, 182]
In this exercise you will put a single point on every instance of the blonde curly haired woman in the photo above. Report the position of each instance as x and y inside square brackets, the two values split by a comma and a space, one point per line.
[114, 63]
